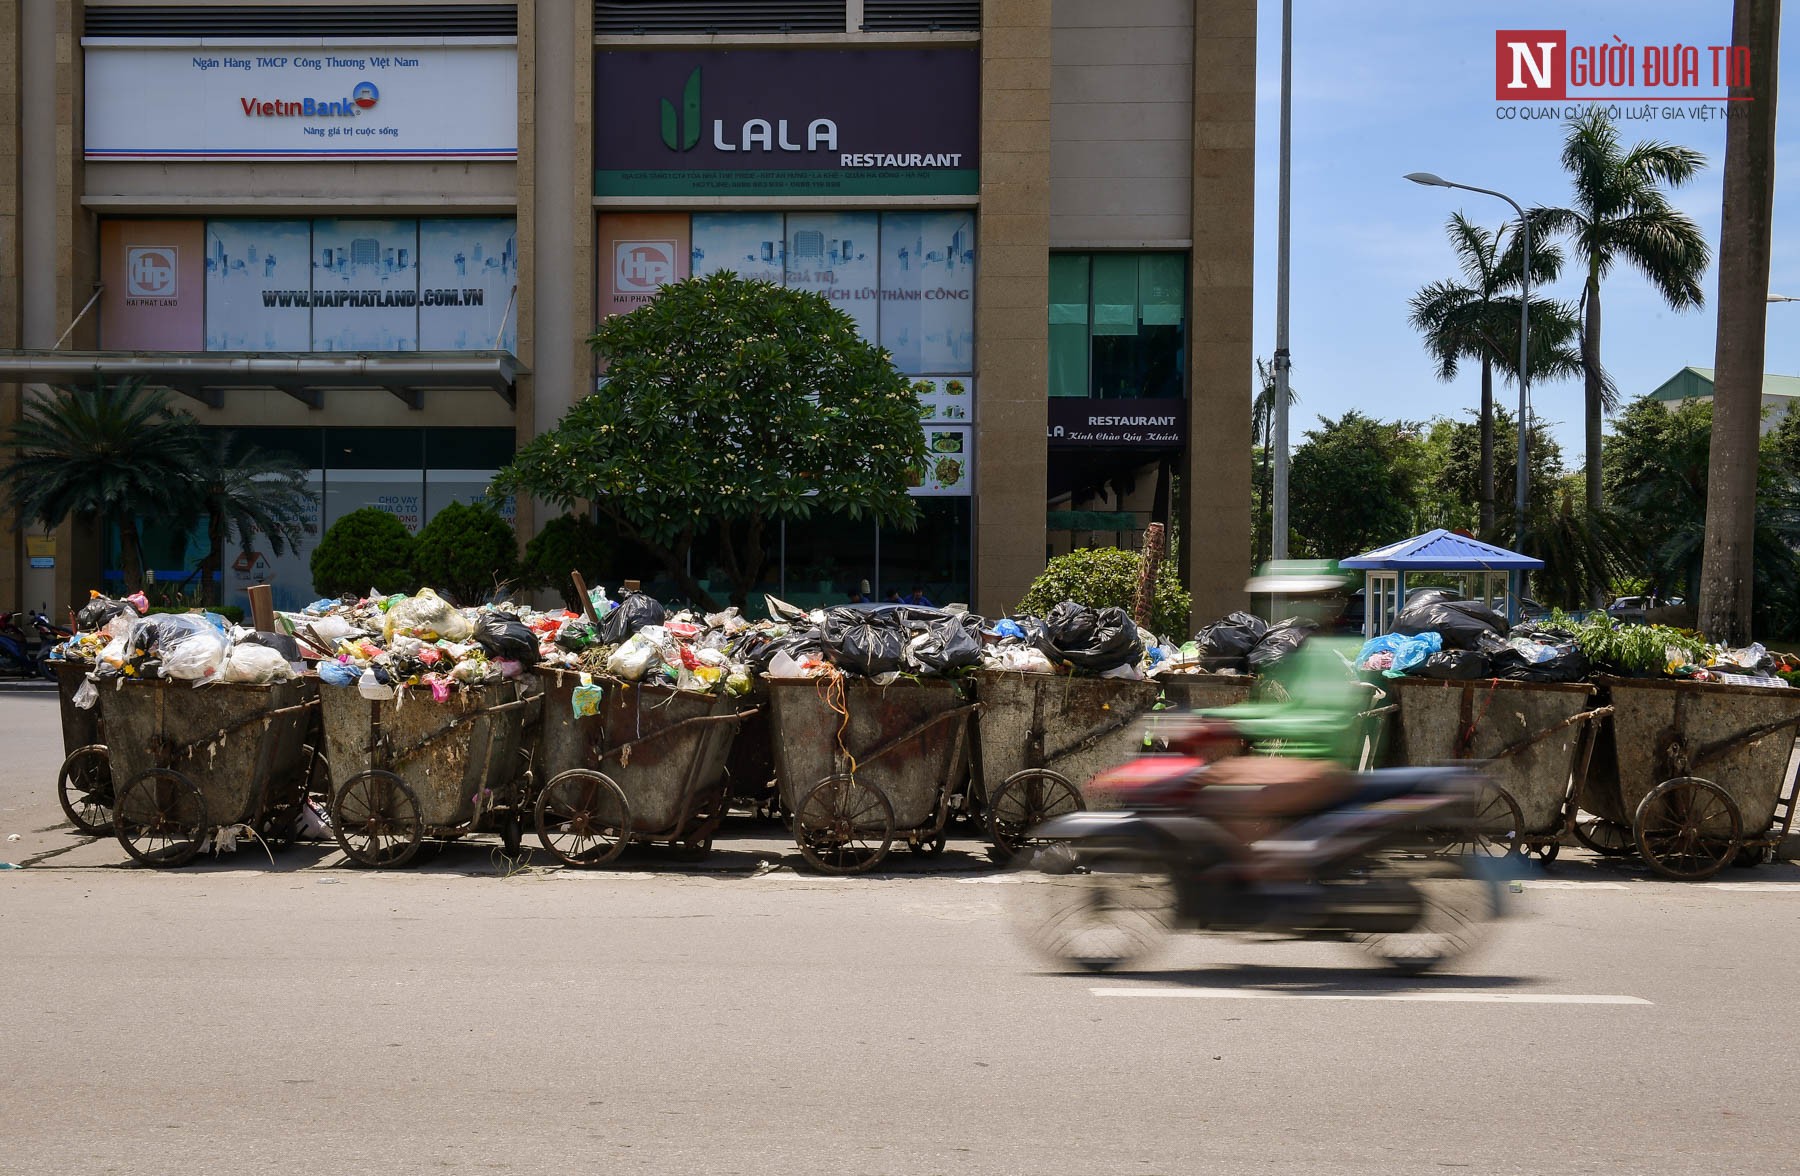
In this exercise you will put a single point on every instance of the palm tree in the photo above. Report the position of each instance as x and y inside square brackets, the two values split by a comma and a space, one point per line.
[1729, 579]
[1622, 213]
[1472, 319]
[242, 492]
[105, 453]
[1262, 427]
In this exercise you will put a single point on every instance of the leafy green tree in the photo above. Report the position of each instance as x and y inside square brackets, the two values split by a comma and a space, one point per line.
[108, 453]
[1106, 577]
[467, 552]
[735, 403]
[1473, 318]
[1621, 213]
[1657, 464]
[367, 548]
[1355, 484]
[1461, 474]
[241, 492]
[568, 543]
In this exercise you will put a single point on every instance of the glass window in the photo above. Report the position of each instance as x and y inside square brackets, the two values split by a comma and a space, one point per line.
[827, 557]
[1118, 325]
[932, 558]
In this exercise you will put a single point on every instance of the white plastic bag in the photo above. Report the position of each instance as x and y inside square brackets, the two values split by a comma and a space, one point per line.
[632, 660]
[256, 663]
[86, 695]
[198, 656]
[783, 665]
[429, 616]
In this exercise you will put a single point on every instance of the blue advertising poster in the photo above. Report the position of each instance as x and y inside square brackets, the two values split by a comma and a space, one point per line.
[749, 244]
[258, 285]
[928, 290]
[365, 285]
[835, 254]
[467, 271]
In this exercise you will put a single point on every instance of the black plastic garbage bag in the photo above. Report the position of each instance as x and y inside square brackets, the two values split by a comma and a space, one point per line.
[757, 650]
[101, 609]
[1455, 665]
[946, 643]
[1234, 636]
[1461, 623]
[635, 611]
[1420, 597]
[863, 642]
[1281, 640]
[577, 636]
[281, 643]
[1091, 639]
[505, 638]
[1567, 664]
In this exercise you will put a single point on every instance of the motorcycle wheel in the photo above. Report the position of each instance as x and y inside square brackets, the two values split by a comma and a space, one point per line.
[1098, 908]
[1459, 898]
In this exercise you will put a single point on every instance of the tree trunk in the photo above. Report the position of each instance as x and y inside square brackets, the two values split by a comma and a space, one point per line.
[131, 553]
[1728, 563]
[1487, 447]
[212, 582]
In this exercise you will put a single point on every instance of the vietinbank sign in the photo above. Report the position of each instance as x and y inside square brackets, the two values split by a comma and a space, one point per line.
[801, 122]
[213, 101]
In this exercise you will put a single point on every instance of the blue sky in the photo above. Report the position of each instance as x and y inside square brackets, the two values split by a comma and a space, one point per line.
[1386, 87]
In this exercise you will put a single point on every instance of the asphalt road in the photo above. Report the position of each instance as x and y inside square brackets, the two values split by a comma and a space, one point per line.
[317, 1018]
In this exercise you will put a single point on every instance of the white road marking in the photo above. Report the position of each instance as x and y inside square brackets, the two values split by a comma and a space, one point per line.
[1570, 884]
[1443, 996]
[1756, 887]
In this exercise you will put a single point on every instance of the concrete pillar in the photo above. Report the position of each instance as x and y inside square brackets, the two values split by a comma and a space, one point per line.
[1215, 536]
[1012, 290]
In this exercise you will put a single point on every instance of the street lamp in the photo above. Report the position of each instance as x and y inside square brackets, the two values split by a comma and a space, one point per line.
[1519, 490]
[1782, 298]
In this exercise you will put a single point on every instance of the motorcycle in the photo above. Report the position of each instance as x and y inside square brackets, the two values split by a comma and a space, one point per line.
[1259, 845]
[16, 654]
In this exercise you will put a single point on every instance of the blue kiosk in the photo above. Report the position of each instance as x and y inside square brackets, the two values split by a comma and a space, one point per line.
[1492, 575]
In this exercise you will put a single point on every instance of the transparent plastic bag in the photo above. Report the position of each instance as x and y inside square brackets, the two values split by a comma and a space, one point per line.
[256, 663]
[427, 616]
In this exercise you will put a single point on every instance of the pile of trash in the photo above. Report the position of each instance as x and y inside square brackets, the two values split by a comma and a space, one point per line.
[118, 640]
[883, 642]
[1447, 639]
[1242, 643]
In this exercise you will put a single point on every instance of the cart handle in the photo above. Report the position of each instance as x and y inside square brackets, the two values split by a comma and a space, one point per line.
[1713, 751]
[1538, 737]
[1118, 724]
[960, 712]
[623, 748]
[401, 754]
[188, 750]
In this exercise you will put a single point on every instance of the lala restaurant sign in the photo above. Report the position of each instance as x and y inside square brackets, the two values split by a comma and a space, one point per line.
[208, 101]
[1078, 421]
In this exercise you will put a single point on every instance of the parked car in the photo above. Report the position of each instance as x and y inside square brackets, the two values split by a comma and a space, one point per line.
[1634, 610]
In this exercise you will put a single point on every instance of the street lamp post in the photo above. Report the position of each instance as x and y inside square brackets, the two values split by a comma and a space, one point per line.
[1522, 478]
[1782, 298]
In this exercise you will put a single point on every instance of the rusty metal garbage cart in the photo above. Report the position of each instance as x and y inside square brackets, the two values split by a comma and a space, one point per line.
[405, 769]
[1535, 738]
[204, 763]
[1696, 771]
[859, 763]
[1042, 737]
[646, 762]
[84, 783]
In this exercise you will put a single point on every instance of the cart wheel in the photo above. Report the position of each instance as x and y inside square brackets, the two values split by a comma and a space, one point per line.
[160, 818]
[932, 846]
[318, 772]
[376, 819]
[844, 826]
[1495, 809]
[1028, 799]
[1678, 828]
[512, 833]
[1544, 851]
[583, 818]
[85, 788]
[1606, 838]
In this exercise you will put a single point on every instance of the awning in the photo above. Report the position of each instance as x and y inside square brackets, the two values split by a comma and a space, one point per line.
[208, 375]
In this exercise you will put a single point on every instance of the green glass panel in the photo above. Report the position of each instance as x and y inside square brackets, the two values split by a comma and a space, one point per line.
[1068, 359]
[1162, 288]
[1068, 288]
[1115, 293]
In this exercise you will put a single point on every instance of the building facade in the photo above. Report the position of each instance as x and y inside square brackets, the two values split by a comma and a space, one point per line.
[379, 236]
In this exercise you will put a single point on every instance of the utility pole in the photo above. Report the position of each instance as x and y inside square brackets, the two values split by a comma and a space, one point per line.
[1278, 523]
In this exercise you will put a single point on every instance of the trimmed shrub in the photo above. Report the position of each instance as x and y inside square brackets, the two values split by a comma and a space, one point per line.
[1106, 577]
[566, 544]
[367, 548]
[467, 553]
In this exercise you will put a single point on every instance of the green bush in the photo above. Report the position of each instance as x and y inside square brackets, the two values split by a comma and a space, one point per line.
[566, 544]
[367, 548]
[466, 553]
[1104, 577]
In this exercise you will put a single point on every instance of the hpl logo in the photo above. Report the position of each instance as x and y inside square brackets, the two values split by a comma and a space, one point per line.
[689, 129]
[150, 271]
[642, 267]
[1529, 64]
